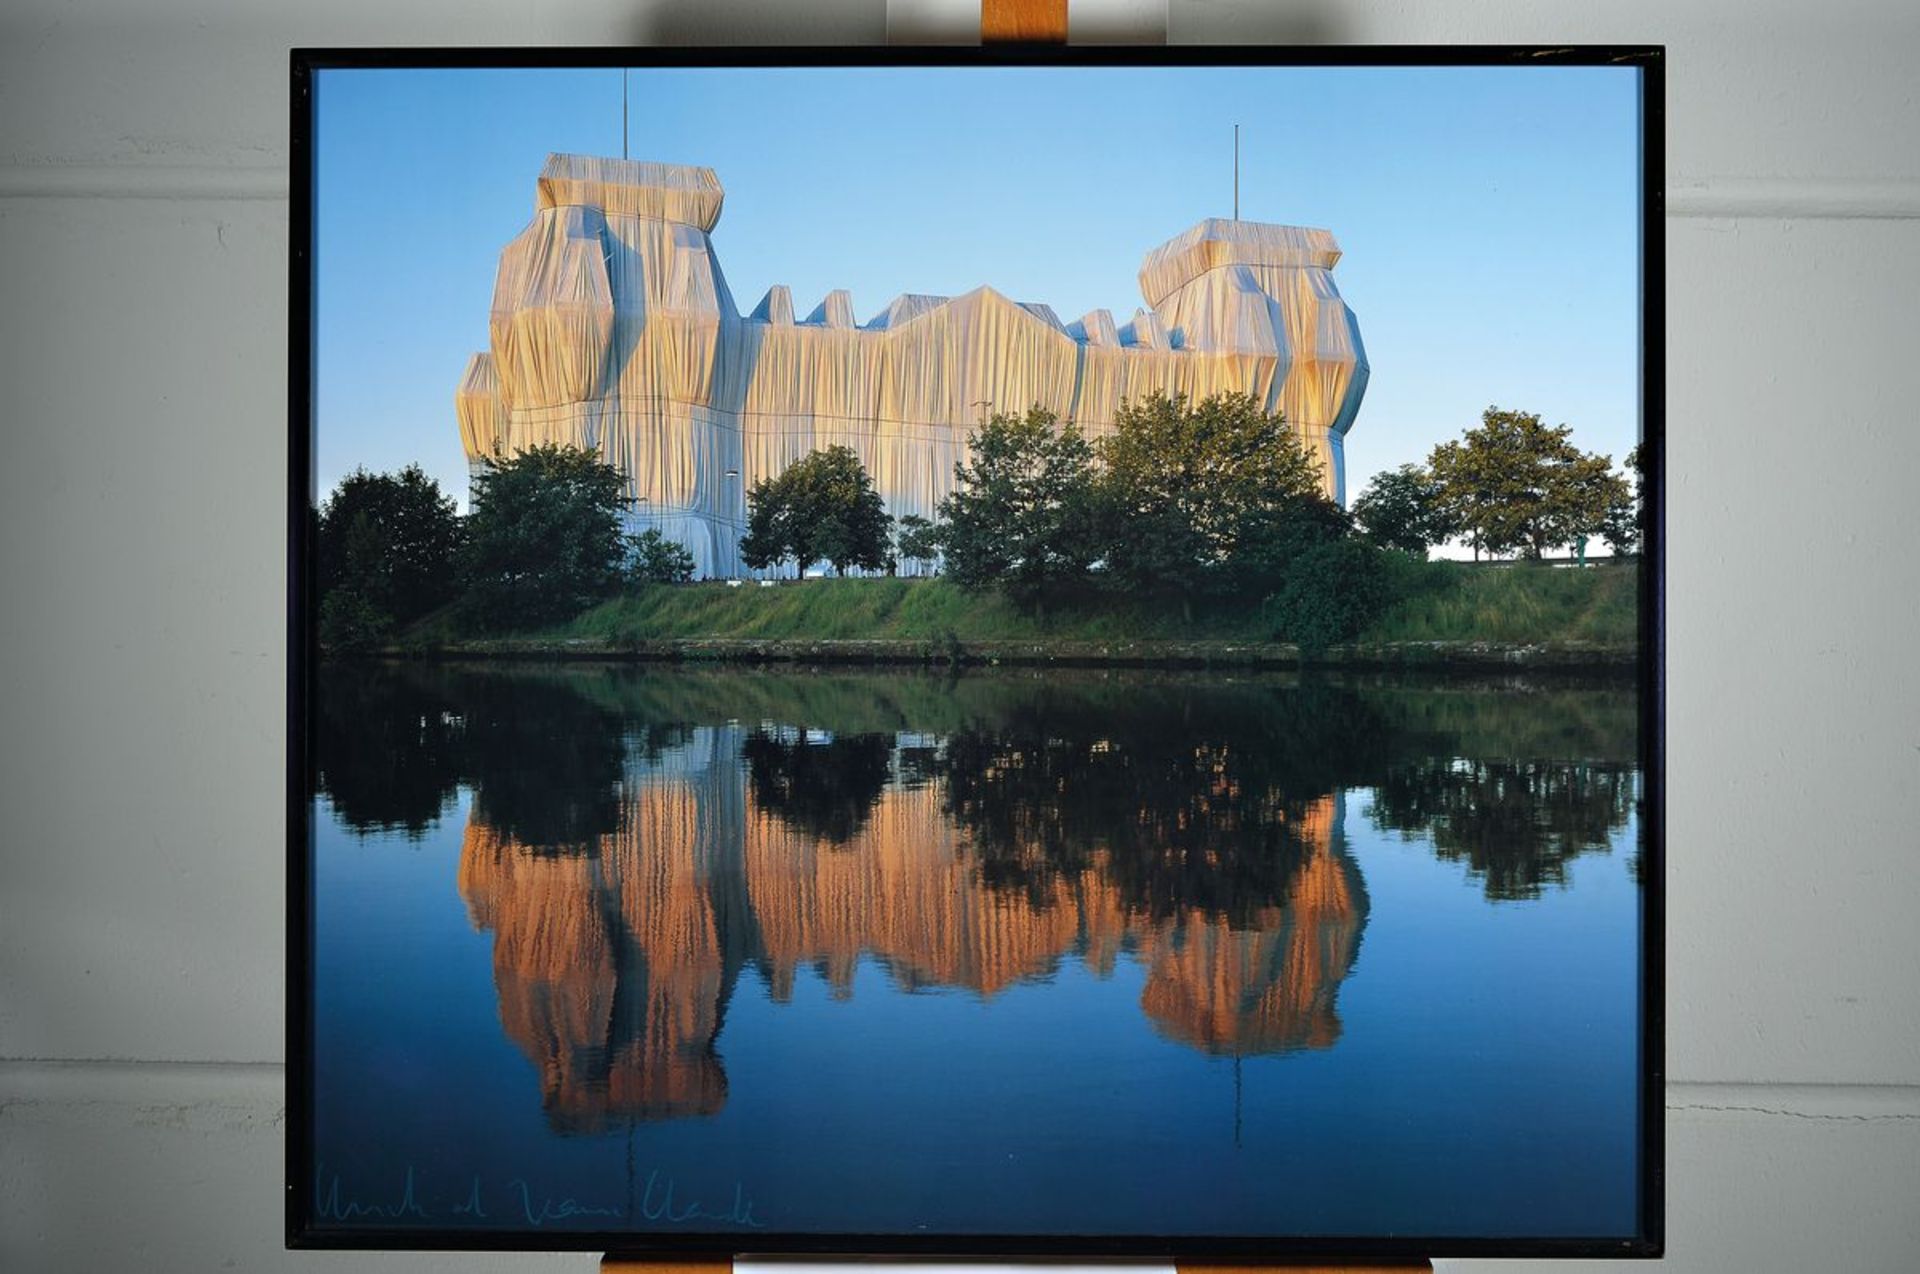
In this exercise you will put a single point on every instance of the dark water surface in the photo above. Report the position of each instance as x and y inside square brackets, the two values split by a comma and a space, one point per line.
[1015, 952]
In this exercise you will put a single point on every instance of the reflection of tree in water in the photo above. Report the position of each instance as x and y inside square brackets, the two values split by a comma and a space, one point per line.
[1515, 824]
[386, 748]
[545, 763]
[614, 968]
[967, 833]
[392, 744]
[1194, 797]
[648, 742]
[825, 787]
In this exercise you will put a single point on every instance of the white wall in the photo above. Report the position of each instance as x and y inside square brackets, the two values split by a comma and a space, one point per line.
[142, 290]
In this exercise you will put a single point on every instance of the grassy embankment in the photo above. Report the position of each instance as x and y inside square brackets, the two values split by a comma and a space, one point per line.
[1439, 602]
[1518, 604]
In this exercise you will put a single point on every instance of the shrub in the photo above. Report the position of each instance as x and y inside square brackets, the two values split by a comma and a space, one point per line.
[654, 559]
[1332, 592]
[350, 623]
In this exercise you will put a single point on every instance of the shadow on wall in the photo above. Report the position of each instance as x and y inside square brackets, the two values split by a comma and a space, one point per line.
[1257, 24]
[864, 22]
[726, 22]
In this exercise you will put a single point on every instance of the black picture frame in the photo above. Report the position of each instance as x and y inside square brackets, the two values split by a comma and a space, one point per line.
[301, 652]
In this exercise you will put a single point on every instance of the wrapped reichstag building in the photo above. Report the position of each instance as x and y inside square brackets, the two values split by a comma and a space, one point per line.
[613, 328]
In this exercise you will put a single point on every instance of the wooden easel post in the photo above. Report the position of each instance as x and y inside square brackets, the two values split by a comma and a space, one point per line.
[703, 1265]
[1023, 21]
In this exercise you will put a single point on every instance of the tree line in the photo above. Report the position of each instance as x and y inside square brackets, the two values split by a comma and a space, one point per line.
[1513, 485]
[1192, 505]
[542, 542]
[1199, 506]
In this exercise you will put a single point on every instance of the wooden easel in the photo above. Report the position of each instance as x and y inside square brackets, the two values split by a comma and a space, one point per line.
[1023, 21]
[1035, 22]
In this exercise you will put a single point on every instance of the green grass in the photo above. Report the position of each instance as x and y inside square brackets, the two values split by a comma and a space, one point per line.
[1521, 603]
[1439, 601]
[878, 609]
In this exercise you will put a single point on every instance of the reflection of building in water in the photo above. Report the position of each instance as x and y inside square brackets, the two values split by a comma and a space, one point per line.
[1268, 988]
[905, 892]
[614, 968]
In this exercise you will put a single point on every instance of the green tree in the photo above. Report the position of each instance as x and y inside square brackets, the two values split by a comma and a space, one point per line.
[822, 508]
[771, 527]
[1021, 516]
[386, 545]
[654, 559]
[918, 539]
[543, 539]
[1203, 499]
[1401, 509]
[1516, 484]
[1626, 514]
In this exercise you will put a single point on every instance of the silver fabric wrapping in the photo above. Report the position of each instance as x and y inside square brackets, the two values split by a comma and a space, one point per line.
[612, 328]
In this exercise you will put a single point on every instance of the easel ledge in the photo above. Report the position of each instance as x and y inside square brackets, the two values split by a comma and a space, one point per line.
[723, 1265]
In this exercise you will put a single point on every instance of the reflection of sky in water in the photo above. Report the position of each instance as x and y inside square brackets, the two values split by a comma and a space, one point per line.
[1070, 1063]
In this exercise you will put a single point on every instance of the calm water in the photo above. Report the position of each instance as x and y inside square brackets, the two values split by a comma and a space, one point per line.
[784, 951]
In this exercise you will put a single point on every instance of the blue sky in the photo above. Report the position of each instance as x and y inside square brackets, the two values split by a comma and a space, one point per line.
[1488, 216]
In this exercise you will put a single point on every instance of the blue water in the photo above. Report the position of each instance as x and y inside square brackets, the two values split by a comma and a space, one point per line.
[1125, 954]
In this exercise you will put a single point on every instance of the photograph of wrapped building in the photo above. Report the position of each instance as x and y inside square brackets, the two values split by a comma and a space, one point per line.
[1008, 769]
[613, 329]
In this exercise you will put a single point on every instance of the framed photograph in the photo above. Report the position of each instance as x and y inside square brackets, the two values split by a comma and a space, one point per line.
[984, 652]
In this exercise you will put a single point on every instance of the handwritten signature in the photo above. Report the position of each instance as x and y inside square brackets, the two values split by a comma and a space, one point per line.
[662, 1208]
[662, 1201]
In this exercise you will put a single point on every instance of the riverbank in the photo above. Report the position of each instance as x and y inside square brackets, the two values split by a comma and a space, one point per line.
[1438, 656]
[1448, 602]
[1447, 615]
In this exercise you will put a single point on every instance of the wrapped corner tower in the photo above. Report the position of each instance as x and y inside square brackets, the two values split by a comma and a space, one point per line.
[612, 328]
